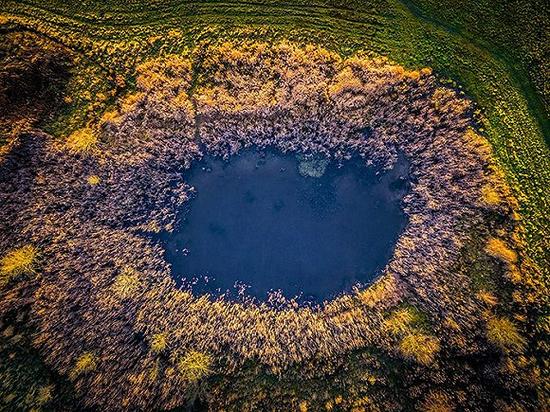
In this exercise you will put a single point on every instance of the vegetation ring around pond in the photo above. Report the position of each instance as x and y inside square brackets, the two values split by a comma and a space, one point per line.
[106, 307]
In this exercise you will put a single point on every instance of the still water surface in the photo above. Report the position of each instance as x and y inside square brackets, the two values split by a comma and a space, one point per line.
[270, 222]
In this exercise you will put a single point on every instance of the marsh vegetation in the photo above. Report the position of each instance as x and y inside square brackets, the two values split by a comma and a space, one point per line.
[91, 316]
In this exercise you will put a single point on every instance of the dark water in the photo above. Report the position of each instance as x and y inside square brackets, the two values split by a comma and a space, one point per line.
[257, 221]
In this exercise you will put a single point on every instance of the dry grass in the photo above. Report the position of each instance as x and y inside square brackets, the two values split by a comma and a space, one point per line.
[499, 249]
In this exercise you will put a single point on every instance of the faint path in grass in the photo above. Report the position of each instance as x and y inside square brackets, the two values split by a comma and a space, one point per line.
[519, 76]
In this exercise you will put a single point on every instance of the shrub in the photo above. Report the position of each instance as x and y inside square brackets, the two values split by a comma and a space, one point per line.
[487, 297]
[498, 248]
[82, 140]
[400, 321]
[17, 262]
[490, 195]
[419, 347]
[126, 283]
[502, 333]
[158, 342]
[405, 320]
[85, 363]
[194, 365]
[93, 180]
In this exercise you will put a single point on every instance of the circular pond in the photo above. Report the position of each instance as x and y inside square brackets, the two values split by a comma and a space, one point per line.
[266, 221]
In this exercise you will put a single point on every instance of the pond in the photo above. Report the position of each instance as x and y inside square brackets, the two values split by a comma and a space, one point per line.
[266, 221]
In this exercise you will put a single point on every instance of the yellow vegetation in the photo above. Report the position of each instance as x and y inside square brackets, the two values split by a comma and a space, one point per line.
[503, 333]
[194, 365]
[126, 283]
[490, 195]
[158, 342]
[85, 363]
[110, 116]
[17, 262]
[419, 347]
[82, 140]
[498, 248]
[153, 373]
[378, 292]
[400, 321]
[93, 180]
[172, 71]
[487, 297]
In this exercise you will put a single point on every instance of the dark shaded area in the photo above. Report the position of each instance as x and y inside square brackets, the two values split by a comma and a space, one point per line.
[33, 74]
[257, 221]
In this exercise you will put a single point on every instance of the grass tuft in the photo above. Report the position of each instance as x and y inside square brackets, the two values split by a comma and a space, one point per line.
[93, 180]
[194, 366]
[158, 342]
[85, 363]
[82, 140]
[498, 249]
[503, 333]
[419, 347]
[126, 283]
[17, 262]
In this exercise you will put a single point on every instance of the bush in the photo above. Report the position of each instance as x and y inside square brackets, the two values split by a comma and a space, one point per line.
[158, 342]
[85, 363]
[419, 347]
[82, 140]
[498, 249]
[194, 366]
[400, 321]
[502, 333]
[93, 180]
[126, 283]
[17, 262]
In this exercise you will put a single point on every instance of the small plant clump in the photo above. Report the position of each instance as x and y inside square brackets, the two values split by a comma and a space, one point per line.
[421, 348]
[17, 262]
[158, 342]
[106, 287]
[194, 366]
[82, 140]
[503, 333]
[85, 363]
[93, 180]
